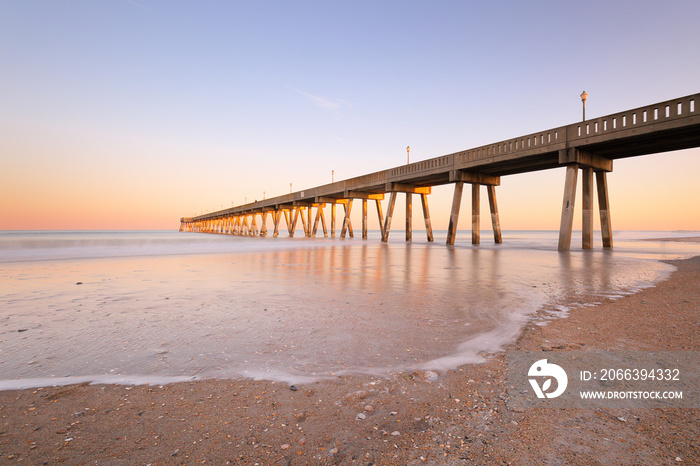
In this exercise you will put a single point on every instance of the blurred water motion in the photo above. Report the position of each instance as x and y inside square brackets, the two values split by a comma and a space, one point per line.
[111, 305]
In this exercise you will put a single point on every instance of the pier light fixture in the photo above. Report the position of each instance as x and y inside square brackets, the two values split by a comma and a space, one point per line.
[584, 96]
[290, 188]
[332, 176]
[408, 152]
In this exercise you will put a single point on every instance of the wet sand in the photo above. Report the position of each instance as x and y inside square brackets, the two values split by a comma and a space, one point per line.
[457, 417]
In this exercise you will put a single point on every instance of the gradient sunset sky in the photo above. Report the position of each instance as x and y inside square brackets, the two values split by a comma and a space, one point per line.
[131, 114]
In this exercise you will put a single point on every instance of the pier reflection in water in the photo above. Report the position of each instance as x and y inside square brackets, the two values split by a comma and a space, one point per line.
[289, 309]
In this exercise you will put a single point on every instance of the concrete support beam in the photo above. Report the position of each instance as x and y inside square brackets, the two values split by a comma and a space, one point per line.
[407, 188]
[604, 207]
[288, 220]
[316, 219]
[292, 230]
[263, 225]
[389, 214]
[347, 226]
[476, 211]
[276, 217]
[454, 214]
[409, 217]
[308, 221]
[323, 221]
[304, 225]
[567, 208]
[327, 200]
[380, 217]
[364, 218]
[585, 159]
[470, 177]
[426, 217]
[333, 220]
[303, 203]
[587, 207]
[360, 195]
[495, 222]
[319, 209]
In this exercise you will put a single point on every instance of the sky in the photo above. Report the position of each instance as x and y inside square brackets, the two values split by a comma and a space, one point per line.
[129, 114]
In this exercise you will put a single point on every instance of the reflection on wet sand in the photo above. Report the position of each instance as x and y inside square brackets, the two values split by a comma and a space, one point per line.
[293, 311]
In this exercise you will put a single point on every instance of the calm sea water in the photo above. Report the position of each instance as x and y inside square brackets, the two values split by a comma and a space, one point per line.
[159, 306]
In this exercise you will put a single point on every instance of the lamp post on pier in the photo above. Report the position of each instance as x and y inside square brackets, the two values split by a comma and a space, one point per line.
[408, 152]
[584, 96]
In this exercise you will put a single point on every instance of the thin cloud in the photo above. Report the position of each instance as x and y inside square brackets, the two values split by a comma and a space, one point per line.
[137, 4]
[334, 105]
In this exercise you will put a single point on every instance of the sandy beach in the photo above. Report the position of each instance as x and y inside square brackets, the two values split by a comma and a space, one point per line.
[456, 417]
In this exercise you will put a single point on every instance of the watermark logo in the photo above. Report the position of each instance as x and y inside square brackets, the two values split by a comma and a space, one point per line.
[543, 369]
[605, 379]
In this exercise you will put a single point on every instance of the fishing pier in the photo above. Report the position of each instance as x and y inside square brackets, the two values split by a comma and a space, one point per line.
[588, 147]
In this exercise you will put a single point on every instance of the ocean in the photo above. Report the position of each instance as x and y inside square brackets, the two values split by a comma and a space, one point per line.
[162, 306]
